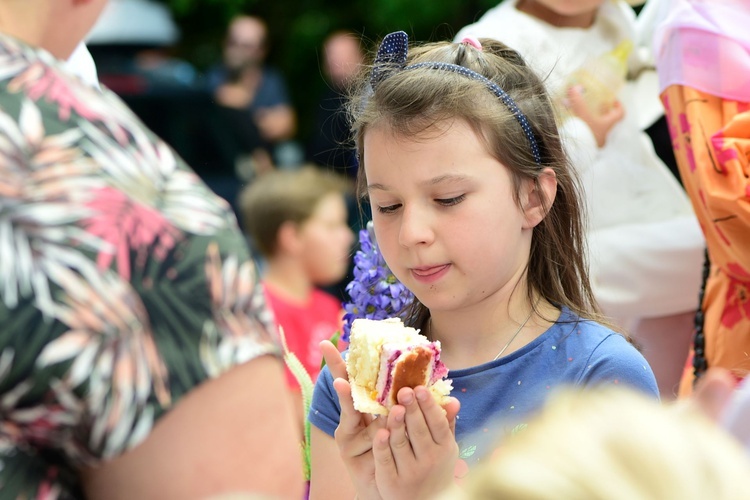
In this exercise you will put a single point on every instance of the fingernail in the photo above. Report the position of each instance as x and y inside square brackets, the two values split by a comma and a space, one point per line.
[408, 398]
[422, 395]
[400, 417]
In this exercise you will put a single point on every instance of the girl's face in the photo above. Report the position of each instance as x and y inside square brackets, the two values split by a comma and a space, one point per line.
[445, 216]
[326, 241]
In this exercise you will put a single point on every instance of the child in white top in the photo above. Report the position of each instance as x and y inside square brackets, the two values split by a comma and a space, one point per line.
[645, 242]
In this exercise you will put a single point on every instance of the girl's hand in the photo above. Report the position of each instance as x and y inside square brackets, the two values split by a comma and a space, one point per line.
[599, 123]
[355, 433]
[415, 455]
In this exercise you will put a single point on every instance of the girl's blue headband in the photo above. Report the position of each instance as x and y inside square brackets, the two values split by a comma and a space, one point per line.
[391, 57]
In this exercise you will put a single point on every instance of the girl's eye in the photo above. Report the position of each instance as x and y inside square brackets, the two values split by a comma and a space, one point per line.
[448, 202]
[389, 209]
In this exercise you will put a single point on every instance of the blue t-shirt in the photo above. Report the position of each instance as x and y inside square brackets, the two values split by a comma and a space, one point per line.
[500, 396]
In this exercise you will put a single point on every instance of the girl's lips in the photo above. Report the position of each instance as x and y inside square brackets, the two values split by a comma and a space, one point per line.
[429, 274]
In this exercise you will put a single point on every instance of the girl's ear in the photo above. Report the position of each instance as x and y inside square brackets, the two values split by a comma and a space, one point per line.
[537, 197]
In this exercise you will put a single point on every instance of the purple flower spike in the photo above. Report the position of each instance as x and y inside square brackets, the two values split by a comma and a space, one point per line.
[374, 293]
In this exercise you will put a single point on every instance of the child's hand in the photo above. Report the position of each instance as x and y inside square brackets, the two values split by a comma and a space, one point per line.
[415, 455]
[599, 123]
[355, 433]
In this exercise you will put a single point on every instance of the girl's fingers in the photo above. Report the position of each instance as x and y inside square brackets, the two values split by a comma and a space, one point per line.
[577, 103]
[344, 392]
[333, 358]
[401, 449]
[355, 430]
[451, 409]
[419, 434]
[438, 425]
[354, 419]
[613, 114]
[385, 464]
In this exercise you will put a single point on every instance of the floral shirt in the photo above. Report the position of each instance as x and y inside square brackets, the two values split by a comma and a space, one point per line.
[125, 281]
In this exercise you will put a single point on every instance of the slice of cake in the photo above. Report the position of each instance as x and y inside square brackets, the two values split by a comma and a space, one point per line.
[385, 356]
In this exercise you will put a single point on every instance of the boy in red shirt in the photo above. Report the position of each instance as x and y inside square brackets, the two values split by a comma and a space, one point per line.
[298, 221]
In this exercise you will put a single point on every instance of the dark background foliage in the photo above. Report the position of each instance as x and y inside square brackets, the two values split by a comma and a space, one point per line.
[297, 29]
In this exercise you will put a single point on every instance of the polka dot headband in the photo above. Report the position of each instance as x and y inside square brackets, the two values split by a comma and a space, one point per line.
[391, 56]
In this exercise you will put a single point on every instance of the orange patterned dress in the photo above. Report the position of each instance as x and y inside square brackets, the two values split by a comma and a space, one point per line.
[711, 139]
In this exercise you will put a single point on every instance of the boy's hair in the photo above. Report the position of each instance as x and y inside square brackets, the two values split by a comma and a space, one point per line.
[284, 196]
[612, 442]
[409, 101]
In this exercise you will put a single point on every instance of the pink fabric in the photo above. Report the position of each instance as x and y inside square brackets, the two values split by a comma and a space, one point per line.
[305, 326]
[705, 44]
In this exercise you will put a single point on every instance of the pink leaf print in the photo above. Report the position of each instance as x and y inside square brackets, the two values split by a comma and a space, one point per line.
[41, 81]
[126, 225]
[690, 156]
[724, 153]
[737, 306]
[737, 271]
[684, 123]
[49, 488]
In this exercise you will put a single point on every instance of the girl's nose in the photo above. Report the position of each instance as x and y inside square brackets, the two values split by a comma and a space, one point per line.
[415, 227]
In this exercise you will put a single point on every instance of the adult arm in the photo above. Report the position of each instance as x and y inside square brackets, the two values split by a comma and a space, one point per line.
[234, 433]
[330, 477]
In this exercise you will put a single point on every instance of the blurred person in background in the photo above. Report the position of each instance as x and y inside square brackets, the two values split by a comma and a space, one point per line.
[245, 82]
[297, 220]
[646, 243]
[331, 144]
[137, 357]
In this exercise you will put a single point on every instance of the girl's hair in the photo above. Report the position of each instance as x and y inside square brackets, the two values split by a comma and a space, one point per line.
[612, 442]
[410, 101]
[284, 196]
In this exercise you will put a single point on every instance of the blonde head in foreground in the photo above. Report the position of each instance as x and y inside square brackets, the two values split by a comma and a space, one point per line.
[613, 444]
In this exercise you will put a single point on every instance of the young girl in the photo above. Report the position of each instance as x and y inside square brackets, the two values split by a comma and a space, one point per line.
[646, 246]
[476, 211]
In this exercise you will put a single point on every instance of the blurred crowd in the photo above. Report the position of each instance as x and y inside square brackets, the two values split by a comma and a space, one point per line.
[237, 119]
[128, 286]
